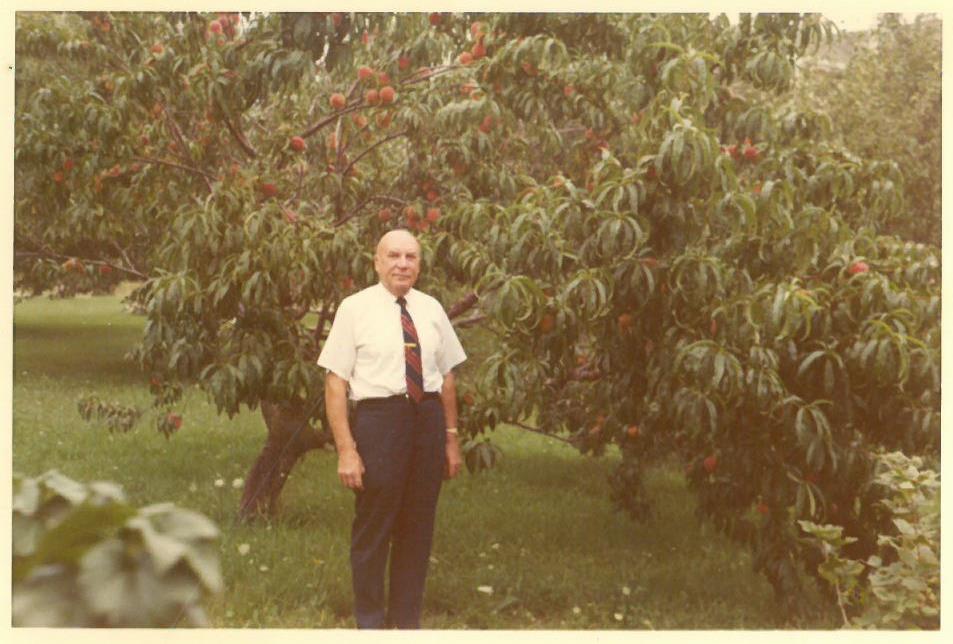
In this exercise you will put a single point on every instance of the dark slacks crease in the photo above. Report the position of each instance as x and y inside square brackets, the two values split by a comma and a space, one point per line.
[402, 445]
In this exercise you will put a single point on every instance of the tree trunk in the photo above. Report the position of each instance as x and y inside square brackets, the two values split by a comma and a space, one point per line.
[289, 437]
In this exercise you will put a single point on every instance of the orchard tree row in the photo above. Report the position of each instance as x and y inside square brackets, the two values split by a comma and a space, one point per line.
[672, 254]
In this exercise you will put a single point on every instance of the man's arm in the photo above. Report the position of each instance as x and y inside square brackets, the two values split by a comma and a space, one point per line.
[448, 396]
[350, 465]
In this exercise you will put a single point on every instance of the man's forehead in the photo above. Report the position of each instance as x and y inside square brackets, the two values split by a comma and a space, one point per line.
[398, 241]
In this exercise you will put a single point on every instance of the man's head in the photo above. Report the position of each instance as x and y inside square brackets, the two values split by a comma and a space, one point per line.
[397, 261]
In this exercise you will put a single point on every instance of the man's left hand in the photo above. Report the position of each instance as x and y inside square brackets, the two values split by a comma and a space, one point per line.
[454, 460]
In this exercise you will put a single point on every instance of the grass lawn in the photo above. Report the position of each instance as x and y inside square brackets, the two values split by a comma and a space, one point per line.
[537, 534]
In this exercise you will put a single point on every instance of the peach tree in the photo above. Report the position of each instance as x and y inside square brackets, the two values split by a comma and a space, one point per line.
[669, 253]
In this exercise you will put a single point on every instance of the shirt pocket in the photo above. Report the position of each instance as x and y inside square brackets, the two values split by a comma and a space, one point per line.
[430, 344]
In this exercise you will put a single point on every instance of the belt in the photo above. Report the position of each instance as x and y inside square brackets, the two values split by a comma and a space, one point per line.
[429, 395]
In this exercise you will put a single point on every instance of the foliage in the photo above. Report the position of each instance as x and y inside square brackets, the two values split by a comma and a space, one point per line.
[654, 234]
[480, 455]
[118, 417]
[886, 104]
[83, 557]
[900, 587]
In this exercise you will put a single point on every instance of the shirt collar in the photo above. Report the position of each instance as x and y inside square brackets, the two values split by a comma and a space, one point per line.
[390, 297]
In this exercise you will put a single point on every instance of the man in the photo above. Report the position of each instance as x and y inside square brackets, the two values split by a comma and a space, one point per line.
[395, 349]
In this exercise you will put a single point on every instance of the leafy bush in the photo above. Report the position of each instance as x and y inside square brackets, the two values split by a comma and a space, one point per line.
[900, 586]
[82, 556]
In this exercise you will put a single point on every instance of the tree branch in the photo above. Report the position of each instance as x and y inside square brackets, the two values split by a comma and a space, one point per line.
[539, 431]
[463, 305]
[125, 256]
[173, 164]
[91, 262]
[413, 80]
[177, 133]
[239, 137]
[371, 147]
[585, 374]
[471, 321]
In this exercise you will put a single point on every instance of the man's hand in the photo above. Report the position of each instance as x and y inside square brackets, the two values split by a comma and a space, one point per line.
[350, 465]
[351, 469]
[454, 460]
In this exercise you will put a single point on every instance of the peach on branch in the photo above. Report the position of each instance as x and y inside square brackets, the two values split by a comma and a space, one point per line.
[364, 73]
[858, 268]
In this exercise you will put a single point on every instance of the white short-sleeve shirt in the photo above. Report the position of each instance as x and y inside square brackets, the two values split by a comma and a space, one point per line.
[365, 346]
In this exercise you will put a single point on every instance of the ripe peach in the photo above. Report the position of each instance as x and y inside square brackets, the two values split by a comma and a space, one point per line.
[338, 101]
[387, 95]
[433, 215]
[372, 97]
[858, 268]
[465, 58]
[215, 27]
[298, 144]
[364, 73]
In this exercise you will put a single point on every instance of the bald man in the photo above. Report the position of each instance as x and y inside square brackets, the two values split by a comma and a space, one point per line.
[392, 349]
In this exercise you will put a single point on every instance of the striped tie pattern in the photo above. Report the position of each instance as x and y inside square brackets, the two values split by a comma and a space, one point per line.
[415, 377]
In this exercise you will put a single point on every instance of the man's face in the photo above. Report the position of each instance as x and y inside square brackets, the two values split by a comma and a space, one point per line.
[397, 261]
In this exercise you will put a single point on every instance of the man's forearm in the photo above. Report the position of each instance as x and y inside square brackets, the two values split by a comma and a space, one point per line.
[335, 402]
[448, 396]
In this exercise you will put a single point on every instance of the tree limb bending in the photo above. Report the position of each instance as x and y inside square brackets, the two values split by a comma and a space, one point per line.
[173, 164]
[371, 147]
[539, 431]
[239, 138]
[91, 262]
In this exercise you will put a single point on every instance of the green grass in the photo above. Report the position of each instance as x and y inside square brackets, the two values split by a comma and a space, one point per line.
[539, 529]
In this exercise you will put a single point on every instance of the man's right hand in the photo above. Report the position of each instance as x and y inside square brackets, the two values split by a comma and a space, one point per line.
[351, 468]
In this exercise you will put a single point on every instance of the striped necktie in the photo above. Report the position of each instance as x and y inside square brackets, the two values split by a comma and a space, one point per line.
[415, 378]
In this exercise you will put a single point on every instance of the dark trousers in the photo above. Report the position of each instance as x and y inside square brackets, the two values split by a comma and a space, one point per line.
[402, 445]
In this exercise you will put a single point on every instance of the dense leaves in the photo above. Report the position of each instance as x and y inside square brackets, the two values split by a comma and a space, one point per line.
[83, 557]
